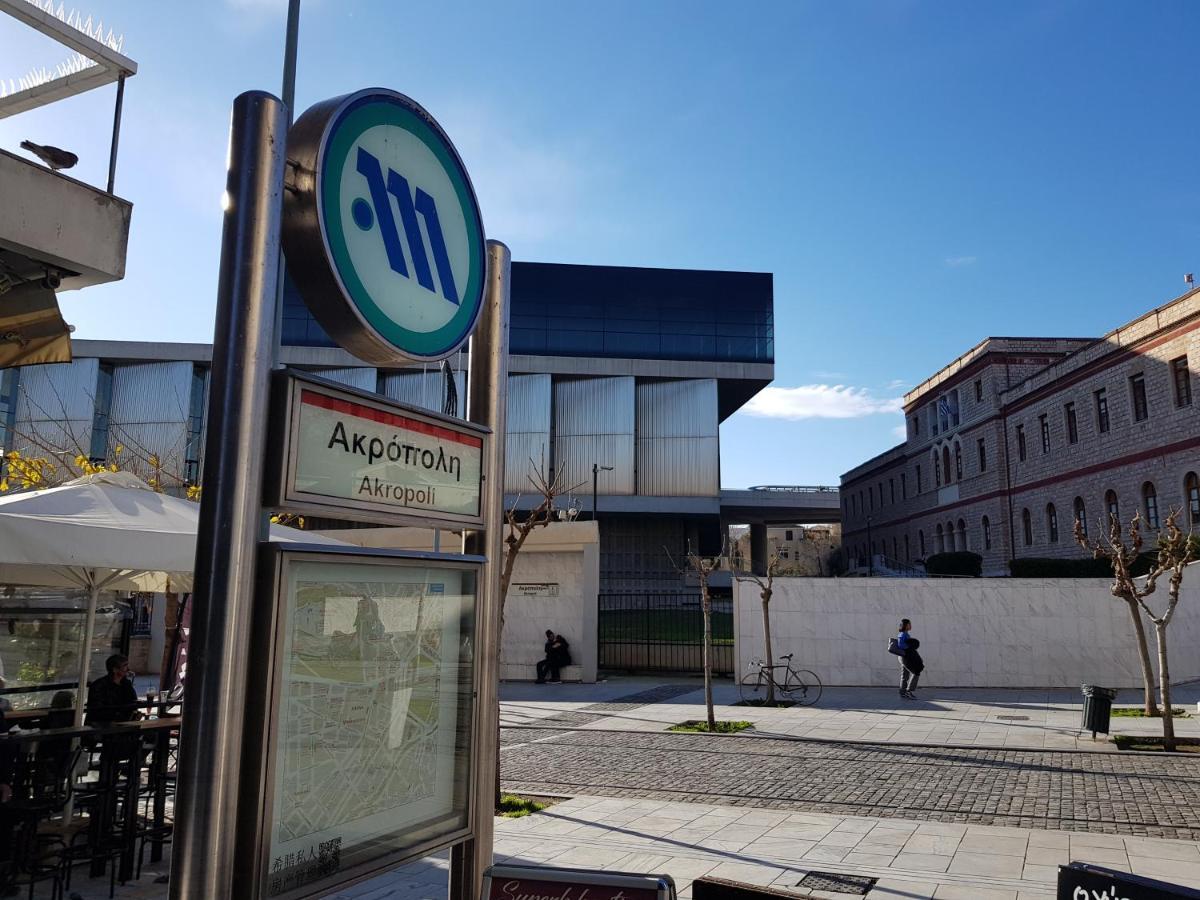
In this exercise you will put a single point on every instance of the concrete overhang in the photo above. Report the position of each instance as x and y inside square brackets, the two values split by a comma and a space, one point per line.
[616, 504]
[49, 221]
[801, 507]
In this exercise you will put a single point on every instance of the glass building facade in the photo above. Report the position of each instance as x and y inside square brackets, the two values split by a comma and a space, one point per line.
[616, 311]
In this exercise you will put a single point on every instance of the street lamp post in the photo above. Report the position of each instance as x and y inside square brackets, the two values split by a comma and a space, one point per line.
[596, 470]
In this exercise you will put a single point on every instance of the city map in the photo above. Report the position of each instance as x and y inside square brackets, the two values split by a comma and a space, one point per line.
[369, 707]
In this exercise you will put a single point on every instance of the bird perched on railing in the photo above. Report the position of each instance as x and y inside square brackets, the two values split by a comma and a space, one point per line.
[55, 157]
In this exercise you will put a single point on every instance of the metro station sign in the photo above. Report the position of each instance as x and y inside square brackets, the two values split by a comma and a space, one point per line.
[381, 230]
[350, 454]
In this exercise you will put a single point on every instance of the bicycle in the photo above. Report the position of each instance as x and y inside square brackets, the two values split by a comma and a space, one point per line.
[799, 686]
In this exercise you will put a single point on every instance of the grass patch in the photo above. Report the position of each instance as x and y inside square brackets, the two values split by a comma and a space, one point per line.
[1140, 742]
[778, 704]
[1137, 712]
[701, 725]
[514, 807]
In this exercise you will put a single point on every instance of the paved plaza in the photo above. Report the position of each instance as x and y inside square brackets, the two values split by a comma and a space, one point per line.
[939, 799]
[971, 717]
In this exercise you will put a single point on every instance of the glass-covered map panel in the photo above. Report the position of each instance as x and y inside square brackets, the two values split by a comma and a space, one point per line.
[372, 745]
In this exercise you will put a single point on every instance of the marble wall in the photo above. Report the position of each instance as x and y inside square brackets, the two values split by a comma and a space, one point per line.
[980, 632]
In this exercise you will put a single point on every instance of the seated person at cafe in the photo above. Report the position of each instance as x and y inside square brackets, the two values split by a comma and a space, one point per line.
[53, 752]
[112, 698]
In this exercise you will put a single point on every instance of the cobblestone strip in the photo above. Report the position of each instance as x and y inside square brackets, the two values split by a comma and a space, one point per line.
[1109, 793]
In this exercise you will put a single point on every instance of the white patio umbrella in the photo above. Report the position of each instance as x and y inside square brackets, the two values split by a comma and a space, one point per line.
[105, 532]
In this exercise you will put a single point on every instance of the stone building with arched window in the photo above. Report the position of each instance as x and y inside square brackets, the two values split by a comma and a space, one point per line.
[1026, 436]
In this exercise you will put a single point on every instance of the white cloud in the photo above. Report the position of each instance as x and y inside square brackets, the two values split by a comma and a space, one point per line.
[819, 401]
[955, 262]
[896, 383]
[900, 432]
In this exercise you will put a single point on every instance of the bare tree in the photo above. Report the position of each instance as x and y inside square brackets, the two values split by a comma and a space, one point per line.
[765, 592]
[1175, 552]
[704, 566]
[548, 487]
[1124, 587]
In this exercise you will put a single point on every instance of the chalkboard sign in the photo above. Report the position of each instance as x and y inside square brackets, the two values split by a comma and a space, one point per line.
[547, 883]
[1081, 881]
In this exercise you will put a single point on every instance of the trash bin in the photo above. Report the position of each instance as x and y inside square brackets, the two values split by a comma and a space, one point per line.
[1097, 708]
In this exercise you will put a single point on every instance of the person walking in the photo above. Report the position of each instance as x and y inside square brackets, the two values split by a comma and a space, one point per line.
[911, 664]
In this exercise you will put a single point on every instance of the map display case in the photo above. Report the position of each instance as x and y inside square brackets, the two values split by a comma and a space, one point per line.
[369, 712]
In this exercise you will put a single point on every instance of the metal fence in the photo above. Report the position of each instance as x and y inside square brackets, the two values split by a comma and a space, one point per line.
[663, 632]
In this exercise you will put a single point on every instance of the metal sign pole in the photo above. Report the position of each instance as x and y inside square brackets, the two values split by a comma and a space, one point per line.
[230, 506]
[487, 404]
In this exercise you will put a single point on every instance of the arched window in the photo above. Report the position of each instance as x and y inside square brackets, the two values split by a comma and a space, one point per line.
[1150, 505]
[1052, 523]
[951, 538]
[946, 465]
[957, 461]
[907, 551]
[1027, 526]
[987, 533]
[1191, 493]
[895, 553]
[1112, 507]
[937, 470]
[1081, 515]
[921, 540]
[962, 535]
[941, 540]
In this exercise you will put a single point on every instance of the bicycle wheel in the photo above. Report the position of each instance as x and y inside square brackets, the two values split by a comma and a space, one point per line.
[753, 687]
[803, 687]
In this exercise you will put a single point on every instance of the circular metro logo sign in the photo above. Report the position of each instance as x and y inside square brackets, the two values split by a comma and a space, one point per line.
[382, 230]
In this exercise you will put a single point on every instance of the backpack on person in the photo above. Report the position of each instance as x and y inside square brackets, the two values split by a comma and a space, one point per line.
[894, 646]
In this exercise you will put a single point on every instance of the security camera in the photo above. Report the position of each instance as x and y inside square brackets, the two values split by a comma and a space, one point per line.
[52, 280]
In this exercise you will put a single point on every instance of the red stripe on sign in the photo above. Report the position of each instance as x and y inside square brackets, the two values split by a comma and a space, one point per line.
[346, 407]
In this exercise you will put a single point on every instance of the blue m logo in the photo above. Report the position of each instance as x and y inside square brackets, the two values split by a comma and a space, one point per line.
[411, 204]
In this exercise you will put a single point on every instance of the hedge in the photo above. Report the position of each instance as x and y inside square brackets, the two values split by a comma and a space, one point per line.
[1082, 567]
[961, 562]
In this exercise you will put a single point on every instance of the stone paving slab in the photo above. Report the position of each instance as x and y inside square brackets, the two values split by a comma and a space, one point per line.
[911, 858]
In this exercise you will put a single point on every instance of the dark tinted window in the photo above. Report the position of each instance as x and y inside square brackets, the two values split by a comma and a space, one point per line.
[612, 311]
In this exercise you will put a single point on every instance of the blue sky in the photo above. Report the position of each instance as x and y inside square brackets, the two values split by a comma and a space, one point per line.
[916, 175]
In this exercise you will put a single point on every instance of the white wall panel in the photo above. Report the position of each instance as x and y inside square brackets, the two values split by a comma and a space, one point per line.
[425, 389]
[149, 416]
[678, 451]
[55, 408]
[679, 467]
[575, 455]
[528, 431]
[594, 424]
[684, 408]
[1065, 632]
[361, 377]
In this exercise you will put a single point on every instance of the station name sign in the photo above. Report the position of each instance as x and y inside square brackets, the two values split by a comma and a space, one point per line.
[355, 455]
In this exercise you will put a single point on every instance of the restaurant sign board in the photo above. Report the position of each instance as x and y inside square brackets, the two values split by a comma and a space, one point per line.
[1084, 881]
[546, 883]
[356, 455]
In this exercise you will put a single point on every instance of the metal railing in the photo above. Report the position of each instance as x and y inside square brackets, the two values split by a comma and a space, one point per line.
[796, 488]
[662, 632]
